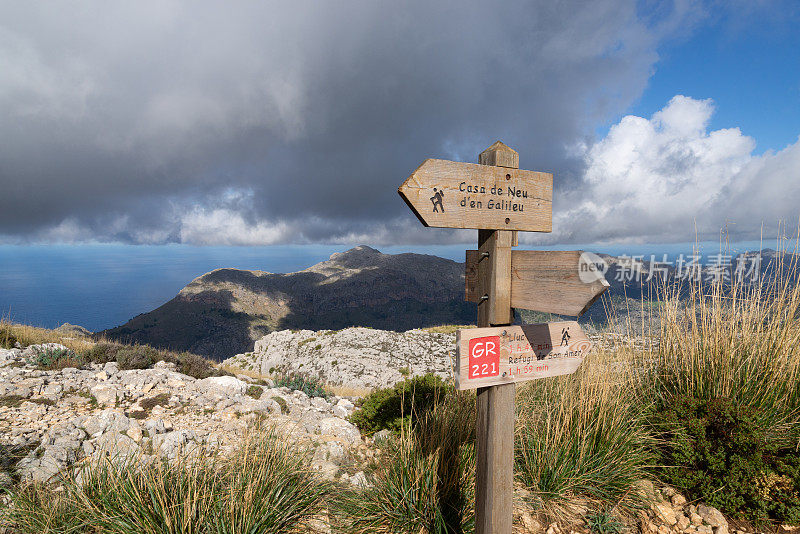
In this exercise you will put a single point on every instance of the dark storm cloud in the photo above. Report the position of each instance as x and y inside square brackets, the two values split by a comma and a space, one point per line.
[270, 122]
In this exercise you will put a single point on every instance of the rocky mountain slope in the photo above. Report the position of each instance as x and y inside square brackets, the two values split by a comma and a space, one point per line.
[223, 312]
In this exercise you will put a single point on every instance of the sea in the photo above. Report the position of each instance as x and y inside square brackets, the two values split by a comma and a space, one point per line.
[100, 286]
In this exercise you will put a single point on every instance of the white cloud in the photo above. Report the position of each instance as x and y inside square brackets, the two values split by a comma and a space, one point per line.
[227, 227]
[654, 179]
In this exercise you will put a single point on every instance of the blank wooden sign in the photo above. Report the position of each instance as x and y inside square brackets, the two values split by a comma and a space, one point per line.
[508, 354]
[564, 283]
[448, 194]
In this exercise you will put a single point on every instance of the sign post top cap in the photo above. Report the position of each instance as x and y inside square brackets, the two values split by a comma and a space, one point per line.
[500, 155]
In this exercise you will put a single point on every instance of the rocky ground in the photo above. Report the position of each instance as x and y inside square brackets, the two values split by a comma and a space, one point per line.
[364, 358]
[668, 513]
[50, 419]
[361, 358]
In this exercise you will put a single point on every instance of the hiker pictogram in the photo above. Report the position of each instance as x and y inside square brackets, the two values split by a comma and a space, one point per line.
[437, 197]
[565, 336]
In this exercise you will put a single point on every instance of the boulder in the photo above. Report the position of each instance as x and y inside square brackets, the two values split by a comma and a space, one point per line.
[713, 517]
[227, 385]
[665, 513]
[333, 426]
[106, 394]
[9, 356]
[108, 419]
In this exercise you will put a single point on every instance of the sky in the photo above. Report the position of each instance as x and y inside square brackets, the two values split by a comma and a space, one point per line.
[277, 123]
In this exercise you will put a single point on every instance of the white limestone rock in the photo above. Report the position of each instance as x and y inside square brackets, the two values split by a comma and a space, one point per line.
[361, 358]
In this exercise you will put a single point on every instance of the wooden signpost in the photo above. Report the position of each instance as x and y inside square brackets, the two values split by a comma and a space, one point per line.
[508, 354]
[546, 281]
[448, 194]
[498, 199]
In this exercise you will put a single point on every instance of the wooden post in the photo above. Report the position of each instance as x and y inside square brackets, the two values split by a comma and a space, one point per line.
[495, 420]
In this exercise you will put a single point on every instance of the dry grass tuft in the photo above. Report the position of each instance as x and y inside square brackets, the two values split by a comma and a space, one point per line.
[32, 335]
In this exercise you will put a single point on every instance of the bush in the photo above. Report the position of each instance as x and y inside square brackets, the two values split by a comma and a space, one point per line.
[136, 357]
[103, 352]
[390, 407]
[147, 404]
[196, 366]
[313, 387]
[718, 453]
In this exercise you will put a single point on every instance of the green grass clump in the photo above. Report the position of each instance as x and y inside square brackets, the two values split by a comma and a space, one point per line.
[390, 408]
[56, 358]
[581, 435]
[266, 487]
[311, 386]
[425, 482]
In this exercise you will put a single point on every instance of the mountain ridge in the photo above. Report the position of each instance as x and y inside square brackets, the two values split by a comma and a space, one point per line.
[223, 312]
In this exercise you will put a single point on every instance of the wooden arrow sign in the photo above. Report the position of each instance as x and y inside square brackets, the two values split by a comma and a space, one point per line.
[448, 194]
[508, 354]
[564, 283]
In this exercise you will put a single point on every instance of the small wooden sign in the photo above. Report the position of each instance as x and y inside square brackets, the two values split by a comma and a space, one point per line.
[509, 354]
[448, 194]
[560, 282]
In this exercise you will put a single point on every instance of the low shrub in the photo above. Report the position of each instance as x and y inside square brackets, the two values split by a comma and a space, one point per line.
[103, 352]
[604, 522]
[136, 356]
[282, 403]
[196, 366]
[255, 391]
[144, 356]
[311, 386]
[718, 453]
[389, 408]
[147, 404]
[7, 338]
[12, 401]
